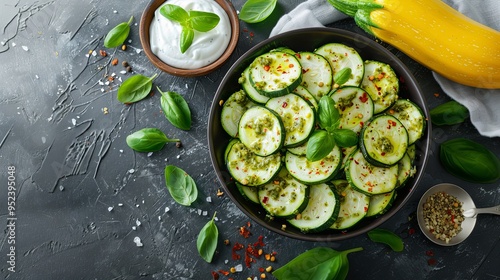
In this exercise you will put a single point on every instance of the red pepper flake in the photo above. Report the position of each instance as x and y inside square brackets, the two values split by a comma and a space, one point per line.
[436, 94]
[237, 246]
[261, 269]
[224, 272]
[284, 105]
[266, 68]
[245, 232]
[429, 253]
[251, 34]
[431, 262]
[365, 209]
[265, 199]
[215, 275]
[411, 231]
[259, 242]
[364, 97]
[298, 55]
[290, 65]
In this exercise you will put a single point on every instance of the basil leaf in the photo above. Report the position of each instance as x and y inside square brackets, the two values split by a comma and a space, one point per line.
[254, 11]
[176, 109]
[203, 21]
[320, 263]
[187, 36]
[181, 186]
[135, 88]
[469, 161]
[174, 13]
[148, 140]
[345, 137]
[449, 113]
[342, 76]
[319, 145]
[118, 34]
[387, 237]
[207, 240]
[329, 116]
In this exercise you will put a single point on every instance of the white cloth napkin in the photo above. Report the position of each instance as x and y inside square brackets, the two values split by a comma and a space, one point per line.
[483, 104]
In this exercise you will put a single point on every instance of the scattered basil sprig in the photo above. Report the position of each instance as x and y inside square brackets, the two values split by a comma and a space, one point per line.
[181, 186]
[449, 113]
[386, 237]
[118, 34]
[254, 11]
[207, 240]
[176, 109]
[322, 141]
[135, 88]
[190, 21]
[469, 160]
[148, 140]
[320, 263]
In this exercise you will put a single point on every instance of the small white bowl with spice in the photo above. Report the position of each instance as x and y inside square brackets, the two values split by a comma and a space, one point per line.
[189, 38]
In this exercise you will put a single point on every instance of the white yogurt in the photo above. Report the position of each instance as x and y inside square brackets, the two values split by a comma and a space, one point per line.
[165, 35]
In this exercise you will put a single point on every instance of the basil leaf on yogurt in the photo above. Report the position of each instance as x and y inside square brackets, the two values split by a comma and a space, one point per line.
[180, 185]
[176, 109]
[135, 88]
[190, 21]
[254, 11]
[118, 34]
[148, 140]
[207, 240]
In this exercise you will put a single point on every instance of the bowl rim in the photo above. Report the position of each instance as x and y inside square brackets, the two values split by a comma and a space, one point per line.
[323, 236]
[144, 25]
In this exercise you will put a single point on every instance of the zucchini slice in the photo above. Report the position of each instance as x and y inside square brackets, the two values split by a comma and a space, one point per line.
[341, 56]
[261, 130]
[411, 116]
[247, 86]
[304, 93]
[406, 170]
[355, 107]
[275, 73]
[229, 146]
[232, 110]
[250, 193]
[250, 169]
[383, 140]
[321, 211]
[284, 197]
[317, 76]
[370, 179]
[353, 205]
[381, 82]
[298, 150]
[380, 203]
[297, 115]
[314, 172]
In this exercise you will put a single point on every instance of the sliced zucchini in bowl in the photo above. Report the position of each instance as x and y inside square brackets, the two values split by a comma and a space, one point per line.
[261, 130]
[232, 110]
[381, 82]
[353, 205]
[341, 56]
[355, 107]
[275, 73]
[297, 115]
[411, 116]
[314, 172]
[250, 169]
[321, 212]
[317, 75]
[380, 203]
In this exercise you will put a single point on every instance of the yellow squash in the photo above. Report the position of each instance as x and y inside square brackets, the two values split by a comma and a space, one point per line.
[434, 34]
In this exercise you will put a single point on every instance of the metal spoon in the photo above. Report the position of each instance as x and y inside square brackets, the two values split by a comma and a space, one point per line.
[470, 212]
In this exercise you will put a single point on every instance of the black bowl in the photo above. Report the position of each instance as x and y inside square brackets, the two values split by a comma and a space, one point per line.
[308, 40]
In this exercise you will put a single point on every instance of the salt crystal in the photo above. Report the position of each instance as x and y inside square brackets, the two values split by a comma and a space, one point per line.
[94, 53]
[205, 213]
[159, 218]
[138, 242]
[178, 156]
[121, 151]
[2, 43]
[137, 205]
[120, 204]
[13, 44]
[209, 199]
[134, 227]
[36, 77]
[25, 48]
[61, 188]
[110, 208]
[167, 209]
[226, 261]
[73, 121]
[102, 89]
[115, 12]
[150, 154]
[87, 55]
[123, 72]
[120, 79]
[69, 127]
[238, 267]
[166, 159]
[129, 41]
[137, 222]
[131, 171]
[138, 50]
[100, 83]
[44, 139]
[106, 83]
[199, 211]
[113, 74]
